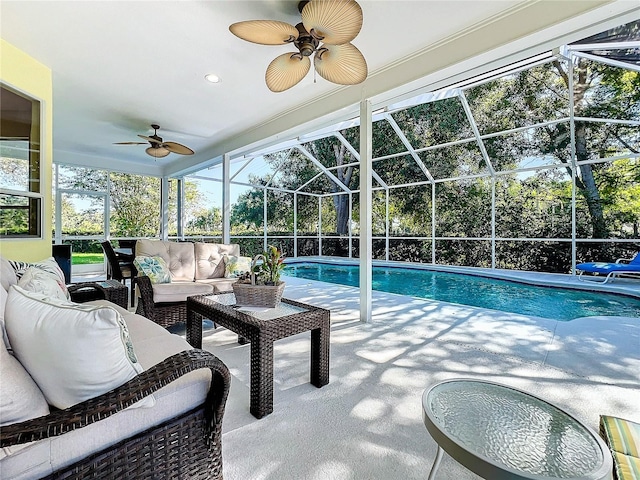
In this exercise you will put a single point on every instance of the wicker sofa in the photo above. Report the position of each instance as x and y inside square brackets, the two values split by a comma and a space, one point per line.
[178, 435]
[195, 269]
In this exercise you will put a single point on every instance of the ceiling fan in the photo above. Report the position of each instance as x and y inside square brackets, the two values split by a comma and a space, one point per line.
[159, 148]
[335, 23]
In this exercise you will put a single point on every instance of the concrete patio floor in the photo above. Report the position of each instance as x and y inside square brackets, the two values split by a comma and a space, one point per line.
[367, 423]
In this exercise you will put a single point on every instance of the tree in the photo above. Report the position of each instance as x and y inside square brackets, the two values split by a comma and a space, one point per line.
[247, 214]
[206, 221]
[135, 199]
[337, 151]
[541, 94]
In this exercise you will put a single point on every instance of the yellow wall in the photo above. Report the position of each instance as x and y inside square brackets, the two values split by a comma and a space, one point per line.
[22, 72]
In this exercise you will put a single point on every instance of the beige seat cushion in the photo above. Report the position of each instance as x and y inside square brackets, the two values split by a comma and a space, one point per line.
[178, 291]
[178, 256]
[210, 259]
[219, 284]
[20, 397]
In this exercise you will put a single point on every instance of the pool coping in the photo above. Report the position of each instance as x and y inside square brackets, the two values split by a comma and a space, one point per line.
[622, 286]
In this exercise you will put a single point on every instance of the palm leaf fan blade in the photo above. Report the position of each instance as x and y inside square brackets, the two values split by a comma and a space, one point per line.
[265, 32]
[175, 147]
[341, 64]
[151, 139]
[333, 21]
[286, 70]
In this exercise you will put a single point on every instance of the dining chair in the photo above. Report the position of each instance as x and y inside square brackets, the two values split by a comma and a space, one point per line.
[128, 243]
[118, 269]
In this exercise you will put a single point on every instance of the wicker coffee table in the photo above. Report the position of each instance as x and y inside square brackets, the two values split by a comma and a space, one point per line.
[261, 328]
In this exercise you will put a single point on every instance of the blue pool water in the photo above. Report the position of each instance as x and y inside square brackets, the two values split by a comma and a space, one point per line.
[555, 303]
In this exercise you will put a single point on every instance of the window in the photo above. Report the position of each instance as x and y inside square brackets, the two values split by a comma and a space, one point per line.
[21, 193]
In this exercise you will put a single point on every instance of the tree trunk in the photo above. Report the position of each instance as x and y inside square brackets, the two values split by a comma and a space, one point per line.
[588, 186]
[341, 202]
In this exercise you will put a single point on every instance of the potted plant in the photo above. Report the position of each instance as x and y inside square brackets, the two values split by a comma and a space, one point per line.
[261, 287]
[272, 264]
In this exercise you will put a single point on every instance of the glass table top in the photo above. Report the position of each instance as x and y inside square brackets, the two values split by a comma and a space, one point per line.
[261, 313]
[510, 428]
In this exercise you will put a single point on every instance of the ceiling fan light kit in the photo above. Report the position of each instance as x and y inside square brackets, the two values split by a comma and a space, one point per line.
[327, 28]
[159, 148]
[157, 152]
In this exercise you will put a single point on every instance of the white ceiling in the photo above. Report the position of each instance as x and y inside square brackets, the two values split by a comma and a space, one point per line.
[119, 66]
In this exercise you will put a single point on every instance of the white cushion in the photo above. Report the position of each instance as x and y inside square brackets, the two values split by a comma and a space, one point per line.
[178, 256]
[210, 258]
[48, 265]
[3, 303]
[73, 352]
[20, 397]
[219, 284]
[40, 281]
[178, 291]
[7, 274]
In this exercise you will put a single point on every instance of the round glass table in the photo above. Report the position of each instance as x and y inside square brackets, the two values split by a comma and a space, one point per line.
[499, 432]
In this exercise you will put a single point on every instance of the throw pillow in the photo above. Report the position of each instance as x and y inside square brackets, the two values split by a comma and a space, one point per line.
[236, 266]
[153, 267]
[20, 397]
[19, 267]
[40, 281]
[48, 265]
[230, 262]
[73, 352]
[3, 303]
[7, 274]
[243, 265]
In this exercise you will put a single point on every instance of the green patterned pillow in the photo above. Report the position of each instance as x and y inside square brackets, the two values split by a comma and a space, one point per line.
[243, 265]
[230, 263]
[236, 266]
[153, 267]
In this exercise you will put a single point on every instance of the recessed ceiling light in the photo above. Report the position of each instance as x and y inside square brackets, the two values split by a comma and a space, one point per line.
[213, 78]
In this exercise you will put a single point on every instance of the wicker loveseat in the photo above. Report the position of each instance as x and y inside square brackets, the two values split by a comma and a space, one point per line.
[177, 435]
[195, 269]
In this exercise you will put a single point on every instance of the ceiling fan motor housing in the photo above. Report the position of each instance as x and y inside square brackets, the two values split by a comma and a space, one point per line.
[305, 42]
[155, 136]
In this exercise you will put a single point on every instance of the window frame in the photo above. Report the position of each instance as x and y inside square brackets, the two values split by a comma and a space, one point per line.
[39, 195]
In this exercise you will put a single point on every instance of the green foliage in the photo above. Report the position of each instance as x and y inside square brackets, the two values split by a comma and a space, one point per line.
[271, 267]
[205, 222]
[134, 199]
[247, 213]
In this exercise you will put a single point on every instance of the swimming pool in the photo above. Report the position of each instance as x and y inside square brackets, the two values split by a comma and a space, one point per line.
[555, 303]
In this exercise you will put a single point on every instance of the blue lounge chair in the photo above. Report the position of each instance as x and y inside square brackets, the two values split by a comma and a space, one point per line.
[621, 266]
